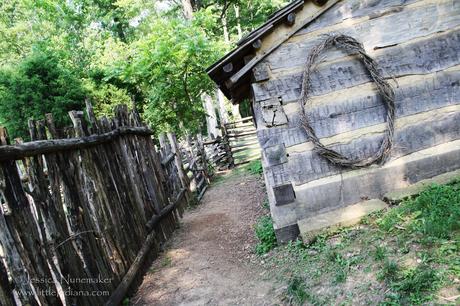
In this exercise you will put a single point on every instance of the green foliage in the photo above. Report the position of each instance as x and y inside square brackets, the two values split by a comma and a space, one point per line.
[106, 96]
[123, 49]
[255, 167]
[416, 281]
[168, 65]
[266, 235]
[297, 291]
[38, 85]
[386, 261]
[389, 270]
[380, 253]
[435, 213]
[410, 285]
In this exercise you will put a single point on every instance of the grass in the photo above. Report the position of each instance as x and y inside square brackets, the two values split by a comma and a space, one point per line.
[255, 167]
[407, 255]
[266, 235]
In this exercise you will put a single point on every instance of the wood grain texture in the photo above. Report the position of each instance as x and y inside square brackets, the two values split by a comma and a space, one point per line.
[356, 108]
[304, 165]
[419, 57]
[410, 23]
[78, 204]
[372, 183]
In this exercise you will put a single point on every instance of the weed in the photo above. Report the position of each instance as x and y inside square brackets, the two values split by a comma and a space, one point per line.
[435, 213]
[166, 262]
[341, 275]
[266, 235]
[389, 270]
[380, 253]
[415, 283]
[266, 204]
[296, 290]
[255, 167]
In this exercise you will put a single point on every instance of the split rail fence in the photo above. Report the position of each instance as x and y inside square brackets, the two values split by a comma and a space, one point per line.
[238, 144]
[82, 207]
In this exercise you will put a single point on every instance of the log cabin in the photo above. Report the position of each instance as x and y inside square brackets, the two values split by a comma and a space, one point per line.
[416, 46]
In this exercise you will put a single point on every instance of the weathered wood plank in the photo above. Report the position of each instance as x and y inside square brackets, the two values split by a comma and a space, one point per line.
[388, 30]
[371, 183]
[419, 57]
[306, 166]
[360, 107]
[354, 9]
[9, 152]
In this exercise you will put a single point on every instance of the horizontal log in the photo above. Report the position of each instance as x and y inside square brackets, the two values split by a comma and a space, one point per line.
[240, 120]
[165, 211]
[356, 108]
[211, 142]
[420, 132]
[237, 131]
[201, 183]
[354, 9]
[423, 56]
[120, 292]
[394, 28]
[232, 126]
[349, 188]
[16, 152]
[200, 196]
[241, 134]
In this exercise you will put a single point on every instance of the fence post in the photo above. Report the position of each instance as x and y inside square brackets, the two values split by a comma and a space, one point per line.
[202, 156]
[191, 159]
[180, 167]
[6, 294]
[227, 148]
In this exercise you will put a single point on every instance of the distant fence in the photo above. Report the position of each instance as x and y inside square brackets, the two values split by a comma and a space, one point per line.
[242, 139]
[81, 208]
[238, 144]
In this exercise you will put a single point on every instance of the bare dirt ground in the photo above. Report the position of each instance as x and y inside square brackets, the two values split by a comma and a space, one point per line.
[210, 260]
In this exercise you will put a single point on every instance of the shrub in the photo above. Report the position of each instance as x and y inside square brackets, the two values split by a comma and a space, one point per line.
[38, 85]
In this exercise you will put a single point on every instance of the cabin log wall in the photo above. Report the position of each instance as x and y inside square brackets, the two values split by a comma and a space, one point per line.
[415, 42]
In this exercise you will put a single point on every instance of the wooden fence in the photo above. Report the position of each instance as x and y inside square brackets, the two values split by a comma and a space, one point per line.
[242, 139]
[238, 145]
[82, 207]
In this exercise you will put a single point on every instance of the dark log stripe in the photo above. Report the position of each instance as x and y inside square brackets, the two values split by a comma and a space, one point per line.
[16, 152]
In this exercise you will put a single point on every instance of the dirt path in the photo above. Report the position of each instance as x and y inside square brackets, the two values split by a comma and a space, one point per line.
[209, 261]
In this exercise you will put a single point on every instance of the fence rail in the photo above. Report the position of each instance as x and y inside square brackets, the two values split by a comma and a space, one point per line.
[88, 204]
[242, 140]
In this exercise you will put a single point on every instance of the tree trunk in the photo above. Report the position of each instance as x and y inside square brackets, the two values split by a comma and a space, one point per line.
[238, 22]
[211, 118]
[188, 8]
[225, 27]
[223, 114]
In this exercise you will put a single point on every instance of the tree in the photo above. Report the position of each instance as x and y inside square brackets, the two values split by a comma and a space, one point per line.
[169, 67]
[38, 85]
